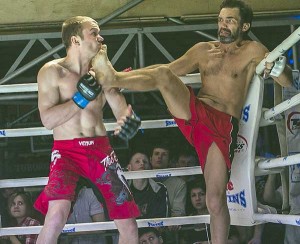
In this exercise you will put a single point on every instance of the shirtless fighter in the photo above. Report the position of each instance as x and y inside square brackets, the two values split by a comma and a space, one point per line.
[210, 120]
[70, 102]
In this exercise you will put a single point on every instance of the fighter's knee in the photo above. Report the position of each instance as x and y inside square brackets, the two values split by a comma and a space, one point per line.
[215, 203]
[163, 75]
[128, 231]
[57, 219]
[131, 226]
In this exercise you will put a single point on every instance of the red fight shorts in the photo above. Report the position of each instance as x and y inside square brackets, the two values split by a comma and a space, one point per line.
[91, 158]
[208, 125]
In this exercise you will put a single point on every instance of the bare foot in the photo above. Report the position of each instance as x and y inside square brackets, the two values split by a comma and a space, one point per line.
[104, 71]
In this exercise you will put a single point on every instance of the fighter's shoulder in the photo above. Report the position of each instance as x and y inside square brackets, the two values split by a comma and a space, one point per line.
[255, 46]
[51, 67]
[51, 72]
[203, 46]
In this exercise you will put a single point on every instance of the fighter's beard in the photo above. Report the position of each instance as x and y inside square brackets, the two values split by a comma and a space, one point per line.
[226, 39]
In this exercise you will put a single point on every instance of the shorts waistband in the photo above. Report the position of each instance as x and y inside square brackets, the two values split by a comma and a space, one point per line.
[219, 113]
[85, 142]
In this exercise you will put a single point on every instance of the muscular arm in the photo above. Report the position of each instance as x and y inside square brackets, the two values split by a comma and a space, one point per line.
[116, 101]
[188, 62]
[185, 64]
[286, 77]
[52, 113]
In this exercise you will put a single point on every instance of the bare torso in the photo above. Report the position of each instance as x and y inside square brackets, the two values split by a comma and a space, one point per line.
[87, 122]
[226, 74]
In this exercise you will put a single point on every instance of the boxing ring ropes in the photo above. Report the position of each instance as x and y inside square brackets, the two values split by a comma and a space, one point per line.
[241, 196]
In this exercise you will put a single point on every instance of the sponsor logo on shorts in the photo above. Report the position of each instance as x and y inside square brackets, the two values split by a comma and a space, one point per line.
[86, 143]
[156, 224]
[241, 144]
[293, 122]
[54, 156]
[70, 230]
[246, 112]
[109, 160]
[2, 133]
[170, 123]
[238, 198]
[163, 174]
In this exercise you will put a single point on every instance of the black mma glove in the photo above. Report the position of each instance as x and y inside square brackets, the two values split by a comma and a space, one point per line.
[130, 127]
[88, 90]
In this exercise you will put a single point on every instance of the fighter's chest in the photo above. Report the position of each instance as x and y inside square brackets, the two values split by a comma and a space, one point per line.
[227, 63]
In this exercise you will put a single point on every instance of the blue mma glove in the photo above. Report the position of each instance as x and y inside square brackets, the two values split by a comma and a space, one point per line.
[88, 89]
[130, 127]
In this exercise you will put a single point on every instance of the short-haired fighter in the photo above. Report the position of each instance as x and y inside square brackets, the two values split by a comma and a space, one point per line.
[70, 102]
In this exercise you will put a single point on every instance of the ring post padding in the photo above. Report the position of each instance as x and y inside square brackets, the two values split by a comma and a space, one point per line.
[241, 196]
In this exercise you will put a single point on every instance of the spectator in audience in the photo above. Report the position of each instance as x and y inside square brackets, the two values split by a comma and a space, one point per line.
[151, 197]
[176, 187]
[5, 193]
[196, 205]
[21, 209]
[149, 235]
[273, 196]
[86, 209]
[187, 159]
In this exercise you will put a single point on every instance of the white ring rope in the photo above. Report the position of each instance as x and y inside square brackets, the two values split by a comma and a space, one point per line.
[41, 181]
[278, 162]
[146, 124]
[263, 163]
[71, 228]
[281, 107]
[40, 131]
[29, 87]
[278, 218]
[32, 87]
[279, 50]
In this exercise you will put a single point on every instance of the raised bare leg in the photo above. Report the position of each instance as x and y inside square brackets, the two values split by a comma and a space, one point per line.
[174, 92]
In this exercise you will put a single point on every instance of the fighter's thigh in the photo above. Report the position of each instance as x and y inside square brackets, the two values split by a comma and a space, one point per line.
[59, 207]
[215, 172]
[177, 98]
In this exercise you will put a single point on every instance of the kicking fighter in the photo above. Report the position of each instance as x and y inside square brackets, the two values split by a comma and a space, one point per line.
[209, 120]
